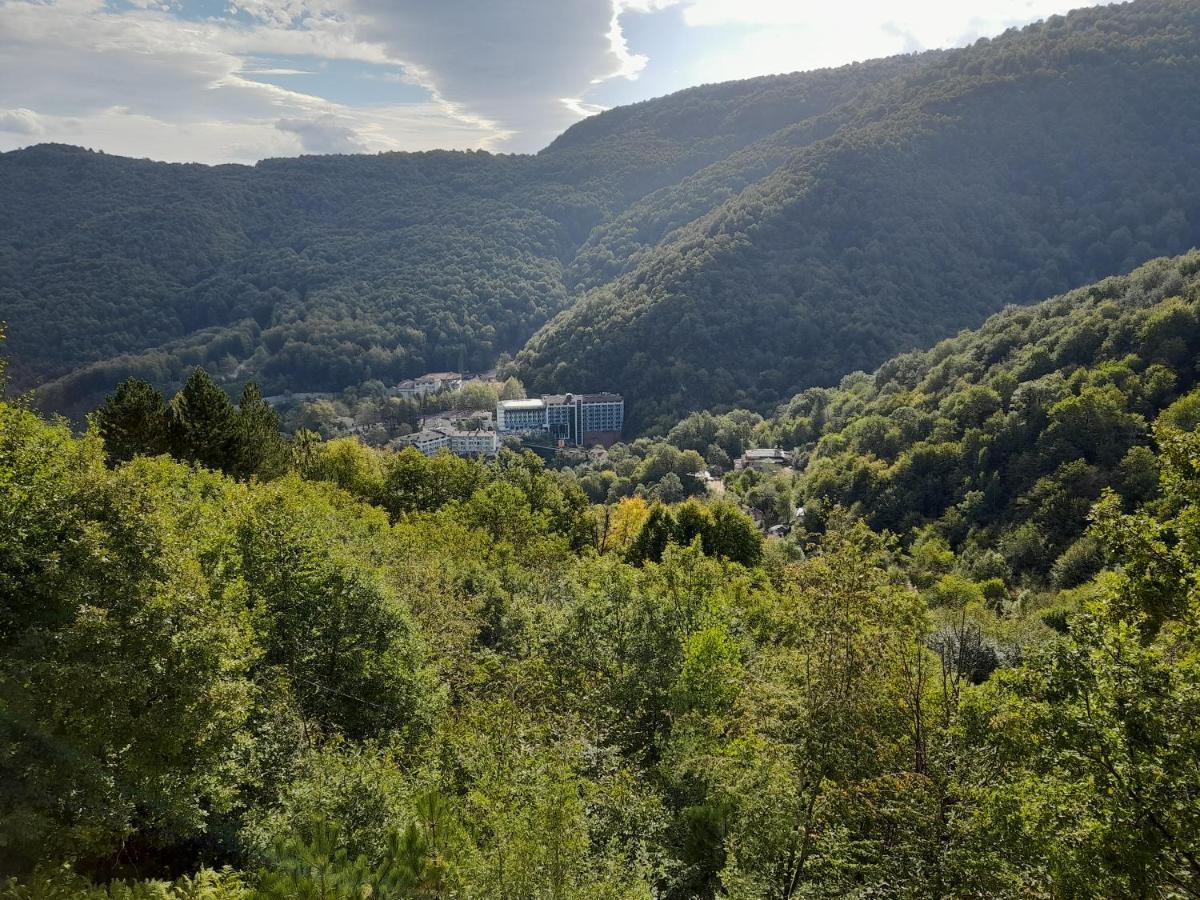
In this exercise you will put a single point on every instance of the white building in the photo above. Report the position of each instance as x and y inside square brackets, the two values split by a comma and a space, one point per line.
[515, 416]
[580, 419]
[461, 443]
[430, 383]
[474, 443]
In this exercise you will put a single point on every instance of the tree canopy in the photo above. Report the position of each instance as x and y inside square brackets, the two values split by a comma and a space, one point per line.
[361, 672]
[727, 245]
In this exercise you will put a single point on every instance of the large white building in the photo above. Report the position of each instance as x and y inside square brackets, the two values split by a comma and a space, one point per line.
[461, 443]
[580, 419]
[516, 416]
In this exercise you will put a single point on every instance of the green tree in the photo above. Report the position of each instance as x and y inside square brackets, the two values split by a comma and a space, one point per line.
[669, 489]
[512, 390]
[127, 688]
[258, 447]
[732, 534]
[1096, 736]
[327, 618]
[819, 724]
[653, 537]
[133, 421]
[203, 423]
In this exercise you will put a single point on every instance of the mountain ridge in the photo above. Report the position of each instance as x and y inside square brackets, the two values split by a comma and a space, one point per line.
[420, 296]
[728, 244]
[796, 226]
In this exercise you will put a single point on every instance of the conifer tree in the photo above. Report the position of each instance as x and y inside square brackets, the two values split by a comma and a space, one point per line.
[133, 421]
[259, 448]
[203, 422]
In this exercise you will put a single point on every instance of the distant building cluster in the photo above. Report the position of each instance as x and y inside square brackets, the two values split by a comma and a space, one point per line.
[575, 420]
[581, 420]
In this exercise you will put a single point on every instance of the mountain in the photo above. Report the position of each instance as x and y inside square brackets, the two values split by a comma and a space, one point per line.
[992, 445]
[728, 244]
[999, 440]
[322, 272]
[1000, 173]
[359, 672]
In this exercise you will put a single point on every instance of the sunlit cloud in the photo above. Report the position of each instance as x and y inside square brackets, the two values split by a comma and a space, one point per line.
[172, 80]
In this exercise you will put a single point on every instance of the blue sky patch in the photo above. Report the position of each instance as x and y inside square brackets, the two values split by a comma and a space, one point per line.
[345, 81]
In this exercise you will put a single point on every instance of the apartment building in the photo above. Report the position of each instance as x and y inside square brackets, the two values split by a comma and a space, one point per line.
[431, 441]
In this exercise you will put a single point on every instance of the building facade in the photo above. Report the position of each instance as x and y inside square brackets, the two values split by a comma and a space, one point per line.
[583, 420]
[431, 383]
[520, 416]
[474, 443]
[431, 441]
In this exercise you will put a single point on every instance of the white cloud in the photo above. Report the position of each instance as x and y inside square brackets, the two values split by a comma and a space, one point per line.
[743, 38]
[630, 64]
[580, 107]
[937, 22]
[21, 121]
[502, 73]
[509, 62]
[323, 134]
[147, 83]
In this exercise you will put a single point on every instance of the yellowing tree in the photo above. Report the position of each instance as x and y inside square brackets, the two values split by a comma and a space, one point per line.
[624, 523]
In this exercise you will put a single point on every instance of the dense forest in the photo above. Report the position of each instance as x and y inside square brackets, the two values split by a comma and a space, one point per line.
[1000, 440]
[724, 246]
[239, 665]
[321, 273]
[993, 444]
[1005, 172]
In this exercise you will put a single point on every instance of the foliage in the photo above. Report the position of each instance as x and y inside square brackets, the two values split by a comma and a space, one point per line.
[387, 675]
[199, 425]
[1000, 173]
[1001, 439]
[1096, 739]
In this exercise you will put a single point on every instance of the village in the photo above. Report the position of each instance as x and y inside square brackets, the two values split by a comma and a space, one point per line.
[476, 415]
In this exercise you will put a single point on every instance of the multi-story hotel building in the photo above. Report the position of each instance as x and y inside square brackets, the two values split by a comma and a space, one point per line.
[580, 419]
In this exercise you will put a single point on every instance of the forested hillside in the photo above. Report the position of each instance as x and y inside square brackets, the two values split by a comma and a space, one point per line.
[236, 665]
[991, 447]
[1001, 173]
[996, 443]
[324, 272]
[726, 245]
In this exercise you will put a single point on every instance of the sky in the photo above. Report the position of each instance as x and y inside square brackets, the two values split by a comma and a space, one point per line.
[219, 81]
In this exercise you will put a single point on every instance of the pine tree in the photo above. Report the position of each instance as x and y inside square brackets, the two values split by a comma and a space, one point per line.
[259, 448]
[203, 423]
[133, 421]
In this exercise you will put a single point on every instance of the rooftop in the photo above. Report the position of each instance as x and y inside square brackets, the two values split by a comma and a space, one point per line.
[562, 399]
[428, 434]
[457, 413]
[433, 434]
[532, 403]
[765, 453]
[602, 397]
